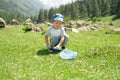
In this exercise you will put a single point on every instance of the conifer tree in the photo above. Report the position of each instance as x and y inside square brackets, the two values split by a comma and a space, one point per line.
[113, 6]
[83, 11]
[62, 9]
[41, 16]
[105, 7]
[118, 9]
[89, 8]
[50, 13]
[46, 15]
[74, 12]
[67, 10]
[95, 9]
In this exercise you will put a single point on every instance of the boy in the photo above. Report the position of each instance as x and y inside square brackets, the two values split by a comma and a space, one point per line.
[56, 33]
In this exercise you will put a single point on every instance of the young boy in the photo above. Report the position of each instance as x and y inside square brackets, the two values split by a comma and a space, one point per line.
[56, 32]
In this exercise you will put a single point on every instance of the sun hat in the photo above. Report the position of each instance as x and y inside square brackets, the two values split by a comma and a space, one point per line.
[68, 54]
[57, 16]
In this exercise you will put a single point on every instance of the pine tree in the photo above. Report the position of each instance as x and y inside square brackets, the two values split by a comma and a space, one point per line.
[114, 6]
[41, 16]
[104, 7]
[46, 15]
[89, 8]
[95, 9]
[74, 12]
[67, 10]
[118, 9]
[62, 9]
[51, 12]
[83, 11]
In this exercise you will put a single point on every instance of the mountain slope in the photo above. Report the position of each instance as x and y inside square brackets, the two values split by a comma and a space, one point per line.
[25, 7]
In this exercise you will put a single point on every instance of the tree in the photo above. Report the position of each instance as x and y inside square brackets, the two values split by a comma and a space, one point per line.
[95, 9]
[62, 9]
[46, 15]
[51, 12]
[118, 9]
[74, 12]
[104, 7]
[41, 17]
[113, 6]
[83, 11]
[67, 9]
[89, 8]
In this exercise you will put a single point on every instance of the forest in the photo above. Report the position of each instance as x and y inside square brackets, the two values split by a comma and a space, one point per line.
[83, 9]
[80, 9]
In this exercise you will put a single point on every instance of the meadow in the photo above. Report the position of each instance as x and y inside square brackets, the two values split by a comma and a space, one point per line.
[23, 56]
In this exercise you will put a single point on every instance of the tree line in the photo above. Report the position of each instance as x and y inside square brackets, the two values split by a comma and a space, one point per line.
[82, 9]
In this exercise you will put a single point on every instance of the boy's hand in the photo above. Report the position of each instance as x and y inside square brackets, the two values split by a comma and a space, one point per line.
[57, 46]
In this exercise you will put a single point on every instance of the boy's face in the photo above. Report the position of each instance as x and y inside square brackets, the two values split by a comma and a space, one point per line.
[57, 24]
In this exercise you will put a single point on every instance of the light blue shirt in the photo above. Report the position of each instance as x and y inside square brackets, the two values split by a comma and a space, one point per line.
[52, 32]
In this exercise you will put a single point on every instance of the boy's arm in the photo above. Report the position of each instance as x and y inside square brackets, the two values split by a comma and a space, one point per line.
[47, 42]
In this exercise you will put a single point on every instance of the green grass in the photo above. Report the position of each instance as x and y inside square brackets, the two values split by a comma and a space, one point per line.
[109, 19]
[22, 56]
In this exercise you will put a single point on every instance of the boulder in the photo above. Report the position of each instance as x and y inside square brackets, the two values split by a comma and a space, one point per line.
[34, 27]
[84, 29]
[79, 23]
[48, 23]
[75, 30]
[93, 28]
[115, 29]
[68, 25]
[67, 29]
[15, 22]
[72, 22]
[111, 24]
[2, 23]
[28, 21]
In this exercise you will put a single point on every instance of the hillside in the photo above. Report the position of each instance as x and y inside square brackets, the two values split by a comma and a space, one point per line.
[25, 7]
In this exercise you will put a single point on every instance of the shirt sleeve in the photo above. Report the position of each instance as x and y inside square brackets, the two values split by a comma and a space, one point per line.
[48, 31]
[62, 31]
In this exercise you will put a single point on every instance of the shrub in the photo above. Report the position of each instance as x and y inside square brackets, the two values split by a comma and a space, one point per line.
[67, 18]
[26, 28]
[95, 19]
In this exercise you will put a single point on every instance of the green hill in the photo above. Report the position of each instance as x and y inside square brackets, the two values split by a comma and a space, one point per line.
[25, 7]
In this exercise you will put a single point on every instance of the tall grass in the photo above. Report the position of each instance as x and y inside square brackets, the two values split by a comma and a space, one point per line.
[23, 56]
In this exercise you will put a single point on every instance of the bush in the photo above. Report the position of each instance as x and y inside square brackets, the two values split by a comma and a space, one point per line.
[67, 18]
[26, 28]
[95, 19]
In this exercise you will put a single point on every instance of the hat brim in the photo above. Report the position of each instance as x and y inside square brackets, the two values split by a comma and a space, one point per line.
[59, 19]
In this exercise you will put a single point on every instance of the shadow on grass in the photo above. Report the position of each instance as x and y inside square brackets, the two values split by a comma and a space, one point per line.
[45, 52]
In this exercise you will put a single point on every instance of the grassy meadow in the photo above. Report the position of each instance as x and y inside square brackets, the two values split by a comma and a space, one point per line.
[23, 56]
